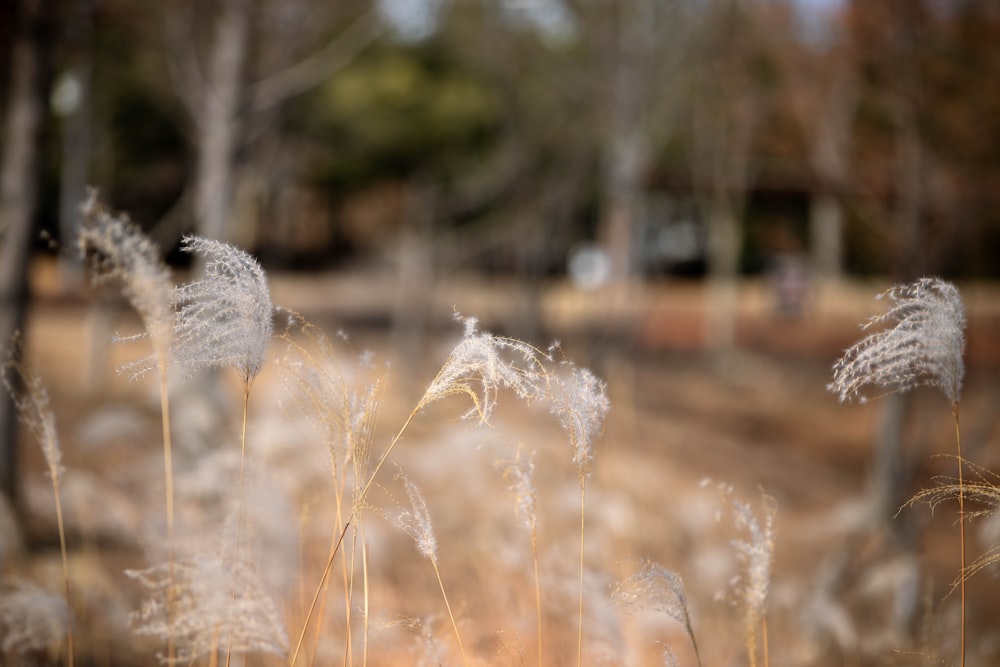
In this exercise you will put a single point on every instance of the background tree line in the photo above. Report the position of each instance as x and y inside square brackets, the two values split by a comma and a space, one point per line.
[500, 133]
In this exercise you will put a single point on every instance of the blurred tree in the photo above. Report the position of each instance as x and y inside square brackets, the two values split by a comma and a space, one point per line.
[641, 47]
[822, 87]
[31, 39]
[735, 72]
[250, 70]
[904, 47]
[71, 101]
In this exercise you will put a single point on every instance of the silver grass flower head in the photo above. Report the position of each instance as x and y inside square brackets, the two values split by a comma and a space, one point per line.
[755, 550]
[519, 473]
[655, 588]
[117, 250]
[224, 318]
[338, 400]
[924, 347]
[580, 401]
[213, 598]
[33, 407]
[482, 364]
[415, 521]
[31, 620]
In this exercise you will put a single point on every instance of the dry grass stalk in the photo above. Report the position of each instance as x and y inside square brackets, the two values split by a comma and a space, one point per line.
[519, 473]
[415, 521]
[225, 319]
[207, 618]
[655, 588]
[33, 623]
[118, 251]
[35, 412]
[340, 401]
[924, 347]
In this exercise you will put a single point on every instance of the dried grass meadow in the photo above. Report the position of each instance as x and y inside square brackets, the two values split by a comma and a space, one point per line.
[351, 501]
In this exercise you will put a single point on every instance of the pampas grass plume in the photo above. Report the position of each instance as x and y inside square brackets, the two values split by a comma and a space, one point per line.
[924, 347]
[225, 317]
[32, 621]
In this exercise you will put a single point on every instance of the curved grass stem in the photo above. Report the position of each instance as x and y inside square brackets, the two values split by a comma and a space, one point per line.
[239, 516]
[961, 528]
[168, 482]
[65, 566]
[319, 591]
[583, 496]
[451, 616]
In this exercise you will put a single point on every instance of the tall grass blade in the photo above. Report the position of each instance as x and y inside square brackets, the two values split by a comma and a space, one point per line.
[117, 250]
[655, 588]
[35, 412]
[925, 347]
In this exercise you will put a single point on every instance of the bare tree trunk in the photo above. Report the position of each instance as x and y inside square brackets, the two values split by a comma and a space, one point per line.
[415, 262]
[644, 46]
[725, 242]
[723, 181]
[218, 120]
[726, 109]
[627, 164]
[18, 194]
[826, 222]
[910, 259]
[829, 148]
[76, 138]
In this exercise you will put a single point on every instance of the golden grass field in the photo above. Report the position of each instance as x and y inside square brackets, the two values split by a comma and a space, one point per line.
[847, 587]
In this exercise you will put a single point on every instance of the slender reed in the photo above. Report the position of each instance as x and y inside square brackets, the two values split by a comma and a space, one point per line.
[579, 400]
[415, 521]
[961, 527]
[479, 367]
[343, 418]
[755, 551]
[519, 474]
[117, 250]
[924, 347]
[239, 511]
[656, 588]
[225, 318]
[34, 410]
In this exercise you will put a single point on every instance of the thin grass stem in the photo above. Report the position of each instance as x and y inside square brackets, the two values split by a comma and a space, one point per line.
[367, 610]
[763, 635]
[239, 513]
[359, 502]
[349, 595]
[583, 496]
[168, 482]
[65, 564]
[451, 616]
[961, 528]
[751, 640]
[319, 591]
[538, 593]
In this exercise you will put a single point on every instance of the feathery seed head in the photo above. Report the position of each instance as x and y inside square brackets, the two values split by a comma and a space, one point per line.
[225, 318]
[581, 403]
[925, 346]
[482, 364]
[212, 599]
[519, 473]
[416, 520]
[755, 550]
[31, 620]
[117, 250]
[654, 588]
[33, 408]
